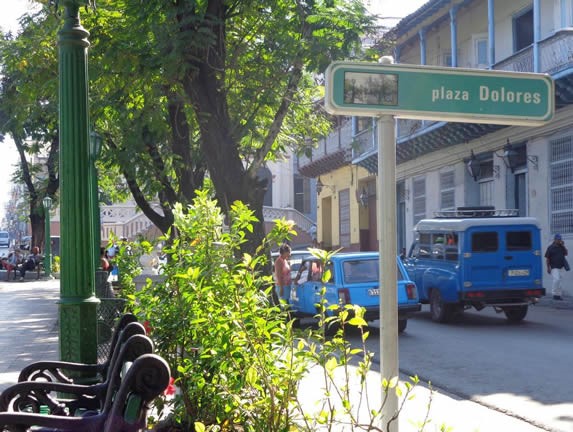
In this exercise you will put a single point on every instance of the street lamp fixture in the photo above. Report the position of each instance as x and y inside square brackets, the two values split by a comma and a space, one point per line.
[47, 202]
[96, 141]
[363, 198]
[95, 150]
[473, 166]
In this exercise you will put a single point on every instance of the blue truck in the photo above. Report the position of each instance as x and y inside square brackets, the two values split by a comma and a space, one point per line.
[477, 257]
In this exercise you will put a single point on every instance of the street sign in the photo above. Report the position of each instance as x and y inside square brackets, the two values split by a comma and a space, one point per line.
[439, 93]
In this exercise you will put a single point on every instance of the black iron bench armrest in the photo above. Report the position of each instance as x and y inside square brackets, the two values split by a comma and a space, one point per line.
[53, 371]
[30, 396]
[125, 410]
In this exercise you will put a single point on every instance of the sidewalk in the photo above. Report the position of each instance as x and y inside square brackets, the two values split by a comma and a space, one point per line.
[29, 332]
[28, 325]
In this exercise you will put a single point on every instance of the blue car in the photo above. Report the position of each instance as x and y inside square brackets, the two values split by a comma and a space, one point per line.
[354, 280]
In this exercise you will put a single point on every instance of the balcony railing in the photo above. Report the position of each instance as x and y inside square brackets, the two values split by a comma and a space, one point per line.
[339, 138]
[556, 54]
[273, 213]
[139, 223]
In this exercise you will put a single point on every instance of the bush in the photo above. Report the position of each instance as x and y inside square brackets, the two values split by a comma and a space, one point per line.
[234, 354]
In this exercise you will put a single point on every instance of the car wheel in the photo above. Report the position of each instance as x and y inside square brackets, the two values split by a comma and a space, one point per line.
[515, 313]
[440, 311]
[402, 325]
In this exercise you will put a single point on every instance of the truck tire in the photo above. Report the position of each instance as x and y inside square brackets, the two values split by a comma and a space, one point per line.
[402, 325]
[441, 312]
[515, 313]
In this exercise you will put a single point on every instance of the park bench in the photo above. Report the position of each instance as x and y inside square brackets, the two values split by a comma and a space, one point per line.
[71, 399]
[125, 407]
[69, 372]
[38, 269]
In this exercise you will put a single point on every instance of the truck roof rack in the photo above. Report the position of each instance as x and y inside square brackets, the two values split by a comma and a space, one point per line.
[475, 212]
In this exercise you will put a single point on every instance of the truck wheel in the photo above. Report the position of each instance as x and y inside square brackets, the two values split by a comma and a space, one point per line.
[515, 313]
[440, 311]
[402, 325]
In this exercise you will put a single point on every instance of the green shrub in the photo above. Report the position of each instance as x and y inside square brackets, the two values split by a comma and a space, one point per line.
[234, 354]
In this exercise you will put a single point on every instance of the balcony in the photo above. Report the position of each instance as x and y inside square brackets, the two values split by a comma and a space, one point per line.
[556, 55]
[332, 152]
[416, 137]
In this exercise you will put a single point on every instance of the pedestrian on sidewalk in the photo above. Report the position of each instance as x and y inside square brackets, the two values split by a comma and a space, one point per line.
[556, 262]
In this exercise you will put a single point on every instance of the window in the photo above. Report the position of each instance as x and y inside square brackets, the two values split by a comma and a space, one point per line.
[344, 217]
[302, 194]
[518, 240]
[447, 59]
[423, 246]
[361, 124]
[447, 195]
[561, 184]
[361, 271]
[480, 50]
[419, 206]
[523, 30]
[486, 184]
[438, 246]
[485, 242]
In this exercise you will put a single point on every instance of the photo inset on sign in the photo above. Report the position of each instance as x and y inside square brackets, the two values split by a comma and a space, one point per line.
[370, 88]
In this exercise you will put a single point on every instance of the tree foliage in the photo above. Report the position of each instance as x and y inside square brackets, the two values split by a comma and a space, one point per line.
[184, 89]
[29, 112]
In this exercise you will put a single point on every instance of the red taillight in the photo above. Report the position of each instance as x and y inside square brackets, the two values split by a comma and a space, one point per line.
[475, 294]
[343, 296]
[411, 291]
[533, 293]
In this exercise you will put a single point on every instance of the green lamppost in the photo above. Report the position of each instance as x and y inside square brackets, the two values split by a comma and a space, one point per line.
[78, 304]
[47, 201]
[95, 150]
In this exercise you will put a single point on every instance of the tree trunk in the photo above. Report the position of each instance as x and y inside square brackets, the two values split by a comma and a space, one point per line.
[38, 227]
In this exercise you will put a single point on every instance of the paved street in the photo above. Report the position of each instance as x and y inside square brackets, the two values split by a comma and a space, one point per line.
[29, 333]
[522, 370]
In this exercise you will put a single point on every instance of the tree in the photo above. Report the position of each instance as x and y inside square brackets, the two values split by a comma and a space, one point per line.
[240, 76]
[28, 113]
[182, 90]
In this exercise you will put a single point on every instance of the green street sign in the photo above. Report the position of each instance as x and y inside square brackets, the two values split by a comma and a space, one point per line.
[439, 93]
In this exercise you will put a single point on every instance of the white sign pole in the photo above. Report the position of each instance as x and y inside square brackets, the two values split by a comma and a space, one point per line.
[388, 250]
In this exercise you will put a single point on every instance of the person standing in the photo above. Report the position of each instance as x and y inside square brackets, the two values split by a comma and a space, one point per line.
[556, 261]
[282, 273]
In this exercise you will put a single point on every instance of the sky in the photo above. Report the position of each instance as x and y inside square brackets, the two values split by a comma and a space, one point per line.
[13, 9]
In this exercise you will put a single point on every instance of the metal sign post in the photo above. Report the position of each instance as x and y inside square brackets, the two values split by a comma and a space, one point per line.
[388, 245]
[432, 93]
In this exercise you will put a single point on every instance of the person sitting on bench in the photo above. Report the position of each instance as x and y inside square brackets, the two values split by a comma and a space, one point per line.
[11, 262]
[33, 260]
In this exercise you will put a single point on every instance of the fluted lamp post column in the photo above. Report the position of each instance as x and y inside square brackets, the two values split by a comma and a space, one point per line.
[47, 202]
[78, 304]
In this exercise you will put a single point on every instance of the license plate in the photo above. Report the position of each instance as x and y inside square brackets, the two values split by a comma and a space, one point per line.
[518, 272]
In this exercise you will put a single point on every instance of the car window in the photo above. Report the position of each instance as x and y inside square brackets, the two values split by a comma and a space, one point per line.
[423, 247]
[360, 271]
[518, 240]
[485, 241]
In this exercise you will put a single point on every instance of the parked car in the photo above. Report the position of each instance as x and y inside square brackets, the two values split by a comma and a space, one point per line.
[354, 279]
[477, 257]
[4, 239]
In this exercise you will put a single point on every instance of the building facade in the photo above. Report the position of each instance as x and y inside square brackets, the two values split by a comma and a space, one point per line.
[442, 165]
